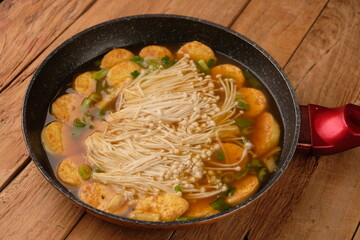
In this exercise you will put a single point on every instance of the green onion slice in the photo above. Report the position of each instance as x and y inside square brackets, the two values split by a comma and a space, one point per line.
[167, 62]
[135, 74]
[85, 105]
[178, 188]
[242, 105]
[243, 172]
[256, 163]
[100, 74]
[220, 204]
[95, 97]
[139, 61]
[263, 174]
[85, 171]
[227, 177]
[231, 191]
[78, 123]
[203, 66]
[239, 96]
[211, 62]
[251, 79]
[243, 122]
[220, 155]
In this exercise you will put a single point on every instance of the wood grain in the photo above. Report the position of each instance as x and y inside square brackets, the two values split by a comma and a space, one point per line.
[28, 27]
[278, 26]
[29, 202]
[104, 230]
[326, 71]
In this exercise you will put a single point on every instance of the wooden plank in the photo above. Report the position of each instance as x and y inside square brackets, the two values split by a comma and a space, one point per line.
[31, 209]
[104, 230]
[327, 63]
[278, 26]
[28, 27]
[329, 207]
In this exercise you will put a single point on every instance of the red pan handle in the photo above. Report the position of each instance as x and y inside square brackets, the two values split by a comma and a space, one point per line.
[329, 130]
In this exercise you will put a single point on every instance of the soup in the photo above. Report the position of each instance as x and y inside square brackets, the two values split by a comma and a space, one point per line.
[163, 136]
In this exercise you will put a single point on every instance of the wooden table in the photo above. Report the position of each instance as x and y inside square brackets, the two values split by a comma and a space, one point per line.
[317, 42]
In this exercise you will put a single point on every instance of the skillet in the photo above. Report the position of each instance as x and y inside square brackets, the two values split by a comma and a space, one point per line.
[129, 32]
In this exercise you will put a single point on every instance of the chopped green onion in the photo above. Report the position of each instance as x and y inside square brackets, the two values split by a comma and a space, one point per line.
[242, 105]
[243, 172]
[100, 74]
[85, 105]
[251, 80]
[139, 61]
[78, 123]
[227, 177]
[243, 122]
[226, 75]
[247, 131]
[248, 165]
[100, 87]
[98, 170]
[97, 63]
[263, 174]
[178, 188]
[91, 126]
[231, 191]
[203, 66]
[87, 117]
[153, 63]
[239, 96]
[102, 112]
[167, 62]
[95, 97]
[211, 62]
[184, 218]
[135, 74]
[256, 163]
[220, 155]
[220, 204]
[85, 171]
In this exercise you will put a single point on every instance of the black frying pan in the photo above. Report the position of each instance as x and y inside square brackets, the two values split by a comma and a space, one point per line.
[58, 67]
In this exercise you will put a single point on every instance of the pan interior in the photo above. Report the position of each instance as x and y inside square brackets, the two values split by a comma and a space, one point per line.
[143, 30]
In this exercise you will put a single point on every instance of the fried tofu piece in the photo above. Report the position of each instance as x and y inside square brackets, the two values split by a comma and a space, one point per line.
[162, 207]
[229, 71]
[233, 153]
[201, 208]
[67, 172]
[121, 72]
[84, 84]
[66, 107]
[102, 197]
[245, 188]
[266, 134]
[197, 51]
[52, 139]
[155, 52]
[114, 57]
[255, 99]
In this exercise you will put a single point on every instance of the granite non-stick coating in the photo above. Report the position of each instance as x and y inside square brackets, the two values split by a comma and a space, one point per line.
[143, 30]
